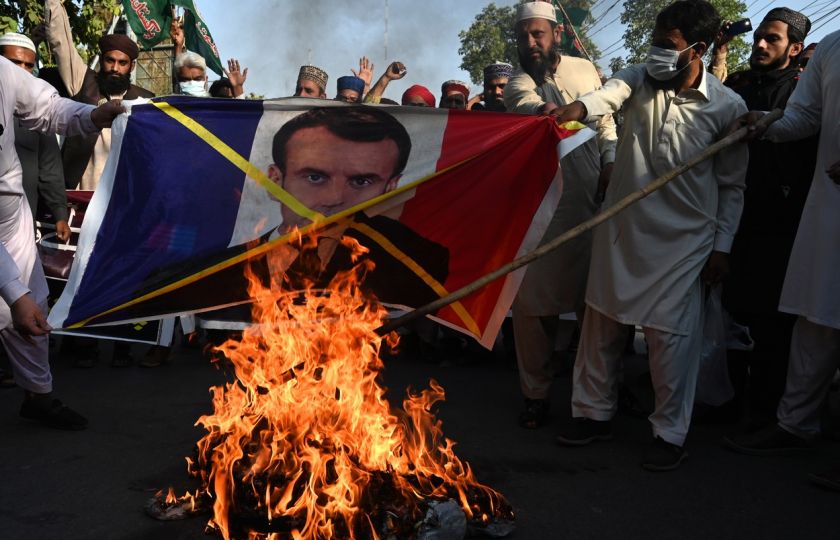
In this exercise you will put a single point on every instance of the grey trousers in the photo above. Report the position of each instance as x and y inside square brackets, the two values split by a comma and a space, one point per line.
[814, 358]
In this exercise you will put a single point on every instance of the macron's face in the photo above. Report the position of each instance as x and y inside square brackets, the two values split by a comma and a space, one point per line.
[328, 174]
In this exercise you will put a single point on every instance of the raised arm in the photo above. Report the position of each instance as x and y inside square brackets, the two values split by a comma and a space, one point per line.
[394, 72]
[71, 67]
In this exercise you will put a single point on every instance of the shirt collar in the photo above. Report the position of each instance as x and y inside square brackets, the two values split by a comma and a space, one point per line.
[702, 90]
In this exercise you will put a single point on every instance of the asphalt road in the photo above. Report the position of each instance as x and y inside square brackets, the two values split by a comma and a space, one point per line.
[93, 484]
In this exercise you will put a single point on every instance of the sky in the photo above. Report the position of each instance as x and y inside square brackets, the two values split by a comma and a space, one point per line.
[273, 38]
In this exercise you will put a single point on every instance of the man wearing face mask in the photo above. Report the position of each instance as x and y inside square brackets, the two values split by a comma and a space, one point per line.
[554, 284]
[778, 179]
[85, 156]
[191, 73]
[650, 264]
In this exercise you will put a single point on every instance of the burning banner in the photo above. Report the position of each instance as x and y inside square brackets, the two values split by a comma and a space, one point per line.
[197, 190]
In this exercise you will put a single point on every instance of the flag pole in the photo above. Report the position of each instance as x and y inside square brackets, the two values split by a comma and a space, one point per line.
[576, 231]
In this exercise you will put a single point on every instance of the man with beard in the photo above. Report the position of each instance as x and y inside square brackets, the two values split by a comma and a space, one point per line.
[554, 284]
[496, 77]
[651, 262]
[778, 180]
[85, 156]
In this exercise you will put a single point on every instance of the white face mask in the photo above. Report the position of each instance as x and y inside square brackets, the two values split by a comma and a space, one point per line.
[194, 88]
[661, 64]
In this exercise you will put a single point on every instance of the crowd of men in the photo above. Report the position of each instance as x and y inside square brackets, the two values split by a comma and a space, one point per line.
[758, 220]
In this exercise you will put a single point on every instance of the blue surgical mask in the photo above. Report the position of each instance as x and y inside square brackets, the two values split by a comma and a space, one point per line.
[661, 64]
[194, 88]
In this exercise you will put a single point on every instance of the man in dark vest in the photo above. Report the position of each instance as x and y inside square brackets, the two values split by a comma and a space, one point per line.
[778, 180]
[84, 156]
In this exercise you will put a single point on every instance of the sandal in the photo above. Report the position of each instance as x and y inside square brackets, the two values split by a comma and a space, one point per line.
[53, 414]
[535, 414]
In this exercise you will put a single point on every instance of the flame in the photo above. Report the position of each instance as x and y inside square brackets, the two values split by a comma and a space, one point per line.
[304, 439]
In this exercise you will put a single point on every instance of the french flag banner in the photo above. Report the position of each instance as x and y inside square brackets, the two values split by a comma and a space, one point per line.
[197, 193]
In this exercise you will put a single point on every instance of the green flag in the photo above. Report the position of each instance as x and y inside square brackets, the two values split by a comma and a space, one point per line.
[197, 36]
[149, 20]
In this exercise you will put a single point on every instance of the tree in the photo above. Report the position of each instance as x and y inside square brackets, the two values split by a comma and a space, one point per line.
[640, 15]
[491, 38]
[88, 20]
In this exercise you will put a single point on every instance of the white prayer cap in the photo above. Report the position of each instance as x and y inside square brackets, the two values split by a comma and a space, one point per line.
[536, 10]
[17, 40]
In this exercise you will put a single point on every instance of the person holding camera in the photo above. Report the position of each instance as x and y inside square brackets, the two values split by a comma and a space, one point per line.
[778, 179]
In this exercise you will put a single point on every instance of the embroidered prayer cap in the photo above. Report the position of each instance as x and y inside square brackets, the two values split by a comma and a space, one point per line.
[119, 42]
[14, 39]
[420, 91]
[455, 86]
[314, 74]
[350, 82]
[497, 71]
[536, 10]
[796, 21]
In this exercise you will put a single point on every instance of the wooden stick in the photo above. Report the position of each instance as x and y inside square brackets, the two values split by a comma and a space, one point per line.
[574, 232]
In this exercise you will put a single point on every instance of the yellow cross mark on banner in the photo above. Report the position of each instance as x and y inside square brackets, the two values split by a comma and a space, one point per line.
[318, 220]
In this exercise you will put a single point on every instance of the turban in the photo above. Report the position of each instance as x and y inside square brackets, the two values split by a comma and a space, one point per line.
[349, 82]
[119, 42]
[314, 74]
[456, 86]
[17, 40]
[536, 10]
[421, 91]
[498, 70]
[795, 21]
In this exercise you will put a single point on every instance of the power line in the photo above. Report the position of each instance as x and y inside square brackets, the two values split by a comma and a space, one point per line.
[803, 7]
[824, 16]
[824, 10]
[603, 27]
[820, 8]
[762, 8]
[601, 16]
[826, 22]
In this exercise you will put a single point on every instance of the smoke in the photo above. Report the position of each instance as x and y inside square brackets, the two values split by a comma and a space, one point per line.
[273, 38]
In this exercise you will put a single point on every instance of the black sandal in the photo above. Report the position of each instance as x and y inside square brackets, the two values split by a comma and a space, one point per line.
[535, 414]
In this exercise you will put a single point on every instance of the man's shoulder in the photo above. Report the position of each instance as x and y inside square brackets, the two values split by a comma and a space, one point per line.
[575, 62]
[137, 91]
[720, 93]
[521, 79]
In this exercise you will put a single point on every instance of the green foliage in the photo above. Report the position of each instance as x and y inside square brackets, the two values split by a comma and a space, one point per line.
[639, 17]
[88, 19]
[616, 64]
[491, 38]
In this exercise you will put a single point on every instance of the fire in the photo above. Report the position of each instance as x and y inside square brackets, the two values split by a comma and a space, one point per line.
[304, 445]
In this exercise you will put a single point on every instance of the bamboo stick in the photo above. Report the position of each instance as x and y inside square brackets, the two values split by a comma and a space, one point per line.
[576, 231]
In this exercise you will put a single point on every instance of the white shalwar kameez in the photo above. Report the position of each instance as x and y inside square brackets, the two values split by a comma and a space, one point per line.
[38, 107]
[555, 284]
[646, 262]
[812, 282]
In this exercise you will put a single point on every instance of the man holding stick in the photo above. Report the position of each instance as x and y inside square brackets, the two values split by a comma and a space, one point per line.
[650, 263]
[555, 284]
